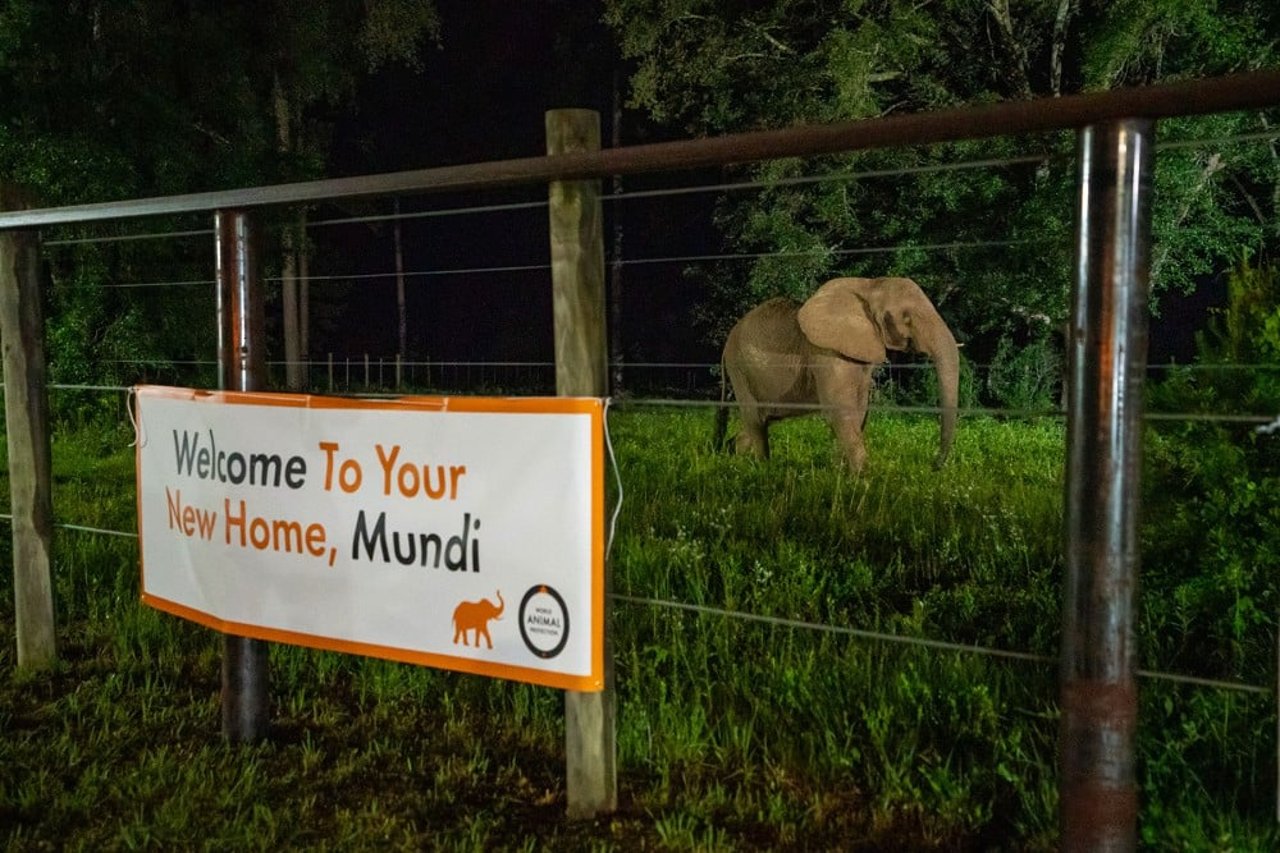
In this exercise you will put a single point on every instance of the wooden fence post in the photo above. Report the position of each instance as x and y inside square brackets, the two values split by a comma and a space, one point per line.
[577, 281]
[26, 409]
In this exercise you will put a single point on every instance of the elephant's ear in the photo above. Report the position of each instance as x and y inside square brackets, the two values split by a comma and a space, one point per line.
[836, 318]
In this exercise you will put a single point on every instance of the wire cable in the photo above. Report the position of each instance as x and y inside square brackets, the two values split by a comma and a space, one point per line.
[124, 238]
[97, 530]
[427, 214]
[939, 645]
[733, 186]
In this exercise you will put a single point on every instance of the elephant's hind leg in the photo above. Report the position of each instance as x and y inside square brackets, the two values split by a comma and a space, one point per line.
[753, 437]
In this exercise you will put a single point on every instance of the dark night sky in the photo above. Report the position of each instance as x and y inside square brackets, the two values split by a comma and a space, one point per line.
[483, 96]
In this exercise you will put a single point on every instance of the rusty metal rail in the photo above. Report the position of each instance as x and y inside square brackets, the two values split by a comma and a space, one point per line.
[1252, 90]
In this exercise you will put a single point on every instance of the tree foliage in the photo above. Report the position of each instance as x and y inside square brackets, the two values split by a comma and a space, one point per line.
[105, 100]
[992, 243]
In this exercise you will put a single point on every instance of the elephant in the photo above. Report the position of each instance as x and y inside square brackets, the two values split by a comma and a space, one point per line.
[781, 356]
[475, 616]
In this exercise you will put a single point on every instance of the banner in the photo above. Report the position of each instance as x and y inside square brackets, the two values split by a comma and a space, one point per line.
[462, 533]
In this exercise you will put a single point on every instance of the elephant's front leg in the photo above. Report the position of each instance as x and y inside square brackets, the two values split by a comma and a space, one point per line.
[844, 389]
[848, 431]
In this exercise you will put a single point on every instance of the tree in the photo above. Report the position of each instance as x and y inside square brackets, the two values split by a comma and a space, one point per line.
[104, 101]
[316, 61]
[991, 244]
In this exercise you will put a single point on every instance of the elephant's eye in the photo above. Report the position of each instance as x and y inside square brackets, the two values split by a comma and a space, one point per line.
[897, 330]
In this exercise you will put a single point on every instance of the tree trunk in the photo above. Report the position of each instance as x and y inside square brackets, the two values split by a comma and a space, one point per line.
[1017, 53]
[1059, 45]
[400, 309]
[615, 266]
[304, 290]
[288, 249]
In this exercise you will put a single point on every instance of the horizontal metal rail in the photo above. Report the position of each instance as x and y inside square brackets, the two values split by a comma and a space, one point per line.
[1251, 90]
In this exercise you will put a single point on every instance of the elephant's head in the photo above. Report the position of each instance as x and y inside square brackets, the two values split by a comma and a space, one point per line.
[861, 318]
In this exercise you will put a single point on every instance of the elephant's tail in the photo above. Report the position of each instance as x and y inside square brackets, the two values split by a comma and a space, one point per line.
[722, 414]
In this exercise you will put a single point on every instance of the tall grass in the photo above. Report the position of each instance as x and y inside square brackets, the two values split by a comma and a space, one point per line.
[732, 733]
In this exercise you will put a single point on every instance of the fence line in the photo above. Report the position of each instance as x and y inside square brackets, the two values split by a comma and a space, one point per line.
[1238, 418]
[691, 365]
[733, 186]
[826, 252]
[135, 284]
[1252, 136]
[124, 238]
[942, 645]
[674, 259]
[961, 165]
[819, 627]
[1194, 417]
[426, 214]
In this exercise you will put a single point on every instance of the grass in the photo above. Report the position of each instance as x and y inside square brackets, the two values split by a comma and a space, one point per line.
[731, 733]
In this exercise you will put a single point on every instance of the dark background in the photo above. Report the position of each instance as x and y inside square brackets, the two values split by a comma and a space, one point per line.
[482, 95]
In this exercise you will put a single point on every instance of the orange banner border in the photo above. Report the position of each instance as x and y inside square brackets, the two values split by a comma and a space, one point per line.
[592, 406]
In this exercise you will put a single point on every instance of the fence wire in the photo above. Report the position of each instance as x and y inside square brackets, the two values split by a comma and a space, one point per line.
[1236, 418]
[820, 627]
[822, 252]
[921, 642]
[728, 186]
[126, 238]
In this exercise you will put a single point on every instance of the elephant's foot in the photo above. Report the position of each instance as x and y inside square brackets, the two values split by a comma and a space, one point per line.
[751, 445]
[855, 460]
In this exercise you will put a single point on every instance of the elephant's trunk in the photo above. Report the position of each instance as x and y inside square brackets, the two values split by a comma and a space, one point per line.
[941, 347]
[502, 605]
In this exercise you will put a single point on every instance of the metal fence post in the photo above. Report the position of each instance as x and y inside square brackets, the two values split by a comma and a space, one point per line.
[26, 413]
[241, 367]
[1104, 459]
[577, 285]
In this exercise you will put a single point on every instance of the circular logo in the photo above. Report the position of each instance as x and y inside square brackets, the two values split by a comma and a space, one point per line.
[544, 621]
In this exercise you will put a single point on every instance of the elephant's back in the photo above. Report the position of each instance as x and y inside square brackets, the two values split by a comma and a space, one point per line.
[773, 321]
[764, 354]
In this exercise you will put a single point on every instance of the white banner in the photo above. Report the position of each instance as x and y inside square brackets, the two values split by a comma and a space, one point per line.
[463, 533]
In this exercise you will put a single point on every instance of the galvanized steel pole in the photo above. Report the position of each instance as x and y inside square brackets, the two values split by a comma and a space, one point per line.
[241, 367]
[1104, 458]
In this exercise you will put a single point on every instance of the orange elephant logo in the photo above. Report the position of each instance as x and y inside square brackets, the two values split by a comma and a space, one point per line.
[475, 616]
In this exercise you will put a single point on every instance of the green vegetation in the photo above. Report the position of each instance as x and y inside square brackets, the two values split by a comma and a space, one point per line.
[732, 733]
[990, 245]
